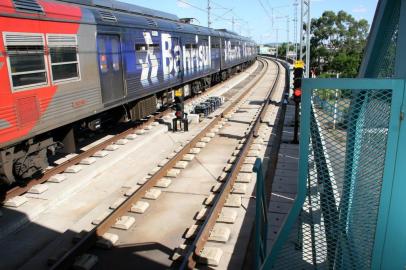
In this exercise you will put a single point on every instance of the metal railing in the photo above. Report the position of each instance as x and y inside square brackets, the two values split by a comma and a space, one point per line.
[261, 217]
[343, 214]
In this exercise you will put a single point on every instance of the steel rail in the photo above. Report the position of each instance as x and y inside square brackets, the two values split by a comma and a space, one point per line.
[90, 238]
[192, 254]
[20, 190]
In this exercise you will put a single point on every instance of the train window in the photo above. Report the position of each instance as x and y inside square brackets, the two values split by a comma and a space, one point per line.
[141, 47]
[63, 54]
[191, 46]
[115, 54]
[26, 60]
[102, 55]
[153, 46]
[64, 57]
[146, 47]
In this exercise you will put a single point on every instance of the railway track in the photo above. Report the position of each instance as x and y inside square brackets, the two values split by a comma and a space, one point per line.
[193, 251]
[92, 151]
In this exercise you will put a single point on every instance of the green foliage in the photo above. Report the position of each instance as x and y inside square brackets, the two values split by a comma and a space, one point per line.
[337, 43]
[282, 49]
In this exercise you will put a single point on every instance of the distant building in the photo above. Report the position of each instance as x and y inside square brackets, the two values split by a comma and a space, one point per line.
[291, 54]
[264, 49]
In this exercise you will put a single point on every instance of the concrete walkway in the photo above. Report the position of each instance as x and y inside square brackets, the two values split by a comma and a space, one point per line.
[284, 185]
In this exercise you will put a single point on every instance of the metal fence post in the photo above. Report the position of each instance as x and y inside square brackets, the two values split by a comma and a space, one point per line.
[261, 218]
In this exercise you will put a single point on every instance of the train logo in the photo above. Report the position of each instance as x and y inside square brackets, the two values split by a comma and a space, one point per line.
[150, 63]
[171, 55]
[195, 56]
[231, 53]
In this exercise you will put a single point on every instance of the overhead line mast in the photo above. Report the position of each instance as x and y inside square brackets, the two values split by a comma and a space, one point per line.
[305, 35]
[288, 38]
[208, 14]
[295, 20]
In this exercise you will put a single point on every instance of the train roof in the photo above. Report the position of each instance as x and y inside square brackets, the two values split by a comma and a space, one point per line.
[125, 7]
[228, 31]
[130, 14]
[112, 12]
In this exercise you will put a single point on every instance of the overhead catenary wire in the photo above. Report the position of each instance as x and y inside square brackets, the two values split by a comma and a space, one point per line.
[266, 11]
[217, 16]
[236, 17]
[269, 11]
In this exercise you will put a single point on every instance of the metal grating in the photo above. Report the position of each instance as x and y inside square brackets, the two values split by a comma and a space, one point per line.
[107, 16]
[385, 62]
[344, 216]
[26, 39]
[348, 143]
[179, 26]
[152, 22]
[61, 40]
[30, 6]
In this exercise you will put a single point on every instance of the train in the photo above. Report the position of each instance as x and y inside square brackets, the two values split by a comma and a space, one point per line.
[68, 66]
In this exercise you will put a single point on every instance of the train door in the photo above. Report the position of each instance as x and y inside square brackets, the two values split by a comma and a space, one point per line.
[215, 53]
[110, 67]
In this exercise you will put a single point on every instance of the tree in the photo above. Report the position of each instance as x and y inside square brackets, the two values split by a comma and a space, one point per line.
[337, 43]
[282, 49]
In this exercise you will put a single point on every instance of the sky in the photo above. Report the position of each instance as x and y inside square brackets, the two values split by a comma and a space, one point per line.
[253, 18]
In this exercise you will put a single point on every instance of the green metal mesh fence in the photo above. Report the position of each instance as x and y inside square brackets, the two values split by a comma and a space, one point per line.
[382, 64]
[349, 132]
[348, 137]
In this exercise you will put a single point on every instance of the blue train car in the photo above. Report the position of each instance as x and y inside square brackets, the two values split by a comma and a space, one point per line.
[163, 53]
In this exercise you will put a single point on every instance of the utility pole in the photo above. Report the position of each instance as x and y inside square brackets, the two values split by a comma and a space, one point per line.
[287, 41]
[308, 40]
[277, 44]
[208, 14]
[295, 19]
[277, 29]
[305, 35]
